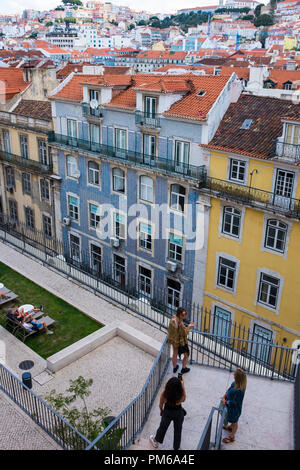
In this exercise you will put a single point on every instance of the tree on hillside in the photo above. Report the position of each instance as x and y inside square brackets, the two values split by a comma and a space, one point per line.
[257, 10]
[263, 20]
[72, 2]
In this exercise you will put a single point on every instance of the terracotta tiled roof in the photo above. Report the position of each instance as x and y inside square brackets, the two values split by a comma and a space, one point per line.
[12, 81]
[282, 76]
[193, 106]
[242, 72]
[34, 109]
[73, 90]
[266, 125]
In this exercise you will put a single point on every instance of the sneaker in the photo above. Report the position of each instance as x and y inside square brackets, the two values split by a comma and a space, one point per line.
[175, 369]
[153, 441]
[49, 332]
[185, 370]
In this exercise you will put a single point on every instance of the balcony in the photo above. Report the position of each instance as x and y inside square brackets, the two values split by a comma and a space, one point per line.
[251, 196]
[285, 151]
[25, 122]
[163, 165]
[147, 120]
[91, 113]
[25, 163]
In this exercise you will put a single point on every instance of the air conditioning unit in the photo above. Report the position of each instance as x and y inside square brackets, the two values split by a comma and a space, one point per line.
[115, 242]
[171, 266]
[67, 221]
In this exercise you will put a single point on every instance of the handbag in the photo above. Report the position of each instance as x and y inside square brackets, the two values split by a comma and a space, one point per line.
[221, 408]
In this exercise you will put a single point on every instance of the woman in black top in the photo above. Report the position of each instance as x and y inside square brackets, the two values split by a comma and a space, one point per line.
[171, 410]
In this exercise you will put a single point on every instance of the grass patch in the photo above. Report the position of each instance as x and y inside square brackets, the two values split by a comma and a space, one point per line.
[71, 325]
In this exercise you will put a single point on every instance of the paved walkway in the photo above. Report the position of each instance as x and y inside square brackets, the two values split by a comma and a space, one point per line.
[266, 422]
[19, 432]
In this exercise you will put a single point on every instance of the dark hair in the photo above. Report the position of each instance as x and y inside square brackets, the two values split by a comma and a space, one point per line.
[179, 311]
[173, 391]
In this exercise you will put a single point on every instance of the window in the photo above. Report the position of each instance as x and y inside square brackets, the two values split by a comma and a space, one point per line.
[231, 221]
[24, 146]
[45, 192]
[177, 198]
[173, 293]
[13, 210]
[288, 85]
[94, 215]
[6, 140]
[72, 128]
[292, 134]
[96, 259]
[145, 276]
[175, 247]
[145, 236]
[29, 218]
[118, 177]
[150, 106]
[284, 183]
[149, 145]
[73, 207]
[26, 183]
[226, 273]
[119, 270]
[94, 132]
[42, 144]
[246, 124]
[237, 171]
[10, 177]
[72, 169]
[182, 153]
[74, 248]
[276, 232]
[119, 226]
[93, 173]
[47, 226]
[146, 188]
[120, 138]
[268, 290]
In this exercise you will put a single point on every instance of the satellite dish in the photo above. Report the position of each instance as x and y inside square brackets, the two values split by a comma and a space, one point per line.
[94, 104]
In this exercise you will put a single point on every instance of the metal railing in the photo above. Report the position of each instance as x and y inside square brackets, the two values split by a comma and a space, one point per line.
[165, 165]
[252, 196]
[289, 152]
[297, 410]
[42, 414]
[212, 433]
[151, 120]
[122, 431]
[25, 163]
[88, 111]
[130, 294]
[255, 356]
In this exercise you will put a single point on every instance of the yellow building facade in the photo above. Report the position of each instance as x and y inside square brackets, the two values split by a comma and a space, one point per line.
[253, 269]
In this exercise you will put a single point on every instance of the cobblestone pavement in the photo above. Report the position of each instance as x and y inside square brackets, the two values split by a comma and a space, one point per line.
[19, 432]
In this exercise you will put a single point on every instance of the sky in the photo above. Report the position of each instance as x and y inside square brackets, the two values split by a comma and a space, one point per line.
[156, 6]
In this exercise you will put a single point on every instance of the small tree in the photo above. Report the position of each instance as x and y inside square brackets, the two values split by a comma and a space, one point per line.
[89, 423]
[263, 20]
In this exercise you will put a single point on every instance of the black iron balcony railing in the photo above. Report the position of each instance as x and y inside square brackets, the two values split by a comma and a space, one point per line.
[160, 164]
[26, 163]
[88, 111]
[289, 152]
[253, 196]
[151, 120]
